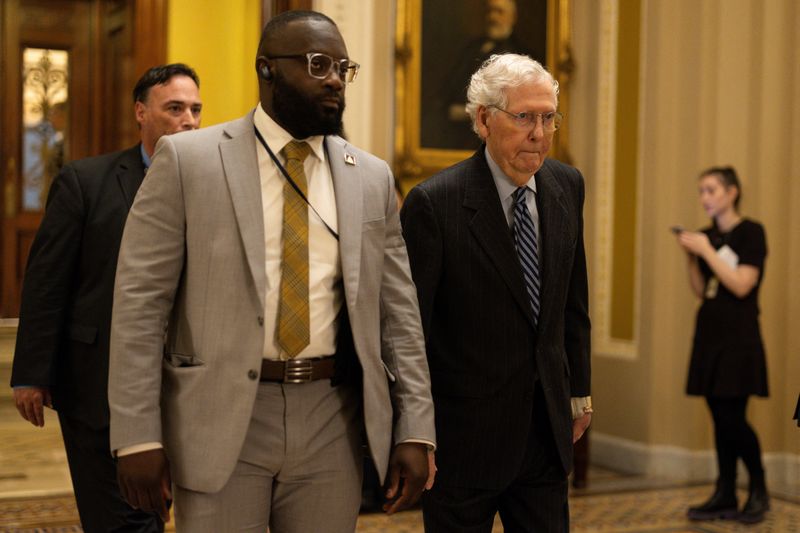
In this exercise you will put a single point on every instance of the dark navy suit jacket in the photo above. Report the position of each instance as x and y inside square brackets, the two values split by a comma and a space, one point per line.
[486, 353]
[65, 316]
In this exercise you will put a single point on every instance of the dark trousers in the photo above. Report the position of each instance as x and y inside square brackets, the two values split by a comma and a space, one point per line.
[735, 438]
[535, 501]
[94, 479]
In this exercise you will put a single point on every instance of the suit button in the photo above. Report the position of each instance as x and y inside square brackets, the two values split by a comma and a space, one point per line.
[261, 321]
[252, 374]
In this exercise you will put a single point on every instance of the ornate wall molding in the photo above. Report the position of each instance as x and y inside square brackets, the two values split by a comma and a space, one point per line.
[602, 297]
[369, 41]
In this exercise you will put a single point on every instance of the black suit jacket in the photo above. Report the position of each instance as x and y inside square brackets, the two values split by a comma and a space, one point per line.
[65, 316]
[484, 350]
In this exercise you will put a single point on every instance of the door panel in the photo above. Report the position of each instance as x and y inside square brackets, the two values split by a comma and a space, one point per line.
[77, 102]
[41, 30]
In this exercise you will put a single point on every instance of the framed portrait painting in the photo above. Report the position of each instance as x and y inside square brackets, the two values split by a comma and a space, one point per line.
[440, 44]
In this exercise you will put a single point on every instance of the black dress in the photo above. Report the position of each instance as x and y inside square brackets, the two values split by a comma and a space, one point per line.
[797, 411]
[728, 353]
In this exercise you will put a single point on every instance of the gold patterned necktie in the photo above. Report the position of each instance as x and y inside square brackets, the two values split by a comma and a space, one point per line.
[293, 332]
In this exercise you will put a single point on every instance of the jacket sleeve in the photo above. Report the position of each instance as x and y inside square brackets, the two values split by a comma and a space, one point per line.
[577, 332]
[424, 242]
[149, 268]
[49, 282]
[402, 339]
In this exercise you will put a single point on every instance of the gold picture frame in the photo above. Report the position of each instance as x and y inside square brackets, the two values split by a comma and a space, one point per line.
[421, 149]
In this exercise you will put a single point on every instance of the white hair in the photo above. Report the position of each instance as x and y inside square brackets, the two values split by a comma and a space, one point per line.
[501, 72]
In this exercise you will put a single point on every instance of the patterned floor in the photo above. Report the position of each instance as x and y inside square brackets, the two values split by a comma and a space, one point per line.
[35, 495]
[32, 460]
[648, 511]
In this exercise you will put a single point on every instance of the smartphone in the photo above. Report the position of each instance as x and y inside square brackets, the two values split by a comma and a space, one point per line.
[677, 229]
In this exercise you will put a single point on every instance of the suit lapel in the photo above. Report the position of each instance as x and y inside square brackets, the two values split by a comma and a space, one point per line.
[490, 228]
[349, 200]
[240, 163]
[553, 215]
[130, 173]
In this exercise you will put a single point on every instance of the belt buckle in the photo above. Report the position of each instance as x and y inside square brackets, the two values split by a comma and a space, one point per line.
[297, 371]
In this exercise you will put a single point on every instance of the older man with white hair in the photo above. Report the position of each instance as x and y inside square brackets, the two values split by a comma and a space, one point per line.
[497, 255]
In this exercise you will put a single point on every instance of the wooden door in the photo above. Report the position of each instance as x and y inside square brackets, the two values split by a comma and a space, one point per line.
[46, 93]
[67, 68]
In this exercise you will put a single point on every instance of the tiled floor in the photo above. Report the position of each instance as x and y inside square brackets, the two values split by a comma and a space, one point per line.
[36, 495]
[32, 460]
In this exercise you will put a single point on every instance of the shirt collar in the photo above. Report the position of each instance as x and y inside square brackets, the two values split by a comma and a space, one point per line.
[277, 137]
[145, 158]
[505, 187]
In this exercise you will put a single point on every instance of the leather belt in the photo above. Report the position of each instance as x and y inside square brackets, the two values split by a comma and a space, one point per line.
[297, 370]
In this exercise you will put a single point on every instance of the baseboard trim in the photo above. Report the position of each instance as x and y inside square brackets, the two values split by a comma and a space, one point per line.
[684, 465]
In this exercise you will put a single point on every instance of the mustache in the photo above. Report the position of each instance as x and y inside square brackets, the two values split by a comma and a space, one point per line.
[332, 94]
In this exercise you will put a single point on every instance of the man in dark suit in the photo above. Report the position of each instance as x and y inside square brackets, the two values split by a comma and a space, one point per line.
[496, 250]
[61, 357]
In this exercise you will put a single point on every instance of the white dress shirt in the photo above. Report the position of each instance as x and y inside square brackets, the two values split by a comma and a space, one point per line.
[325, 291]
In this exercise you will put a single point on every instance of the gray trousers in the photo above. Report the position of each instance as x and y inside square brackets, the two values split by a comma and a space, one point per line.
[299, 470]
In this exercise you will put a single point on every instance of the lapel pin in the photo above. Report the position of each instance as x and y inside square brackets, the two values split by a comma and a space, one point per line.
[349, 159]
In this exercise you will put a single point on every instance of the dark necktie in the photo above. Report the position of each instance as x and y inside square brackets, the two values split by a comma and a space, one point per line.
[293, 331]
[527, 249]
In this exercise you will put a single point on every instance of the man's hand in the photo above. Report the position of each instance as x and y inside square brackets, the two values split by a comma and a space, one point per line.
[580, 425]
[431, 469]
[409, 462]
[30, 402]
[144, 481]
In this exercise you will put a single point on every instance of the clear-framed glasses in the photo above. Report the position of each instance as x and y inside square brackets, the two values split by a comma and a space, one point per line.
[321, 65]
[551, 120]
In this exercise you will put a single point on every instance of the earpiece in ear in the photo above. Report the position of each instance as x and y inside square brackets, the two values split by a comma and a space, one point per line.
[265, 73]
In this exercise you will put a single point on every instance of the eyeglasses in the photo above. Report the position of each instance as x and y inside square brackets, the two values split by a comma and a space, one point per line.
[321, 65]
[551, 120]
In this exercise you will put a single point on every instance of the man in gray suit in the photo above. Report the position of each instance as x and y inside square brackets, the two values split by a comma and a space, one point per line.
[271, 252]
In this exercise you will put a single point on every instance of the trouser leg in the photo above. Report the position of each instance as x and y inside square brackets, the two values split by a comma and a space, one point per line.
[536, 502]
[241, 506]
[319, 486]
[299, 469]
[447, 509]
[101, 506]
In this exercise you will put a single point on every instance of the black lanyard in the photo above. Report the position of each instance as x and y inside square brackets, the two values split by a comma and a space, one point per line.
[293, 184]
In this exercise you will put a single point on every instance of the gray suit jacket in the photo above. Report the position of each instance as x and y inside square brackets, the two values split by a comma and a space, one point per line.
[192, 262]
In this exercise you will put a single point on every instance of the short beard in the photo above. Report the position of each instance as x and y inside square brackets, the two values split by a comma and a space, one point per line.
[301, 115]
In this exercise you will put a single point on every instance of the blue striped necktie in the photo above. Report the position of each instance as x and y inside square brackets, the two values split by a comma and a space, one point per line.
[527, 249]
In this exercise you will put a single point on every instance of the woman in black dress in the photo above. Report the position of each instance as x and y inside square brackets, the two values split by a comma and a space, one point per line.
[726, 265]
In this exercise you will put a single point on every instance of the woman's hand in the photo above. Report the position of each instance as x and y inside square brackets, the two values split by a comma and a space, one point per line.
[695, 243]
